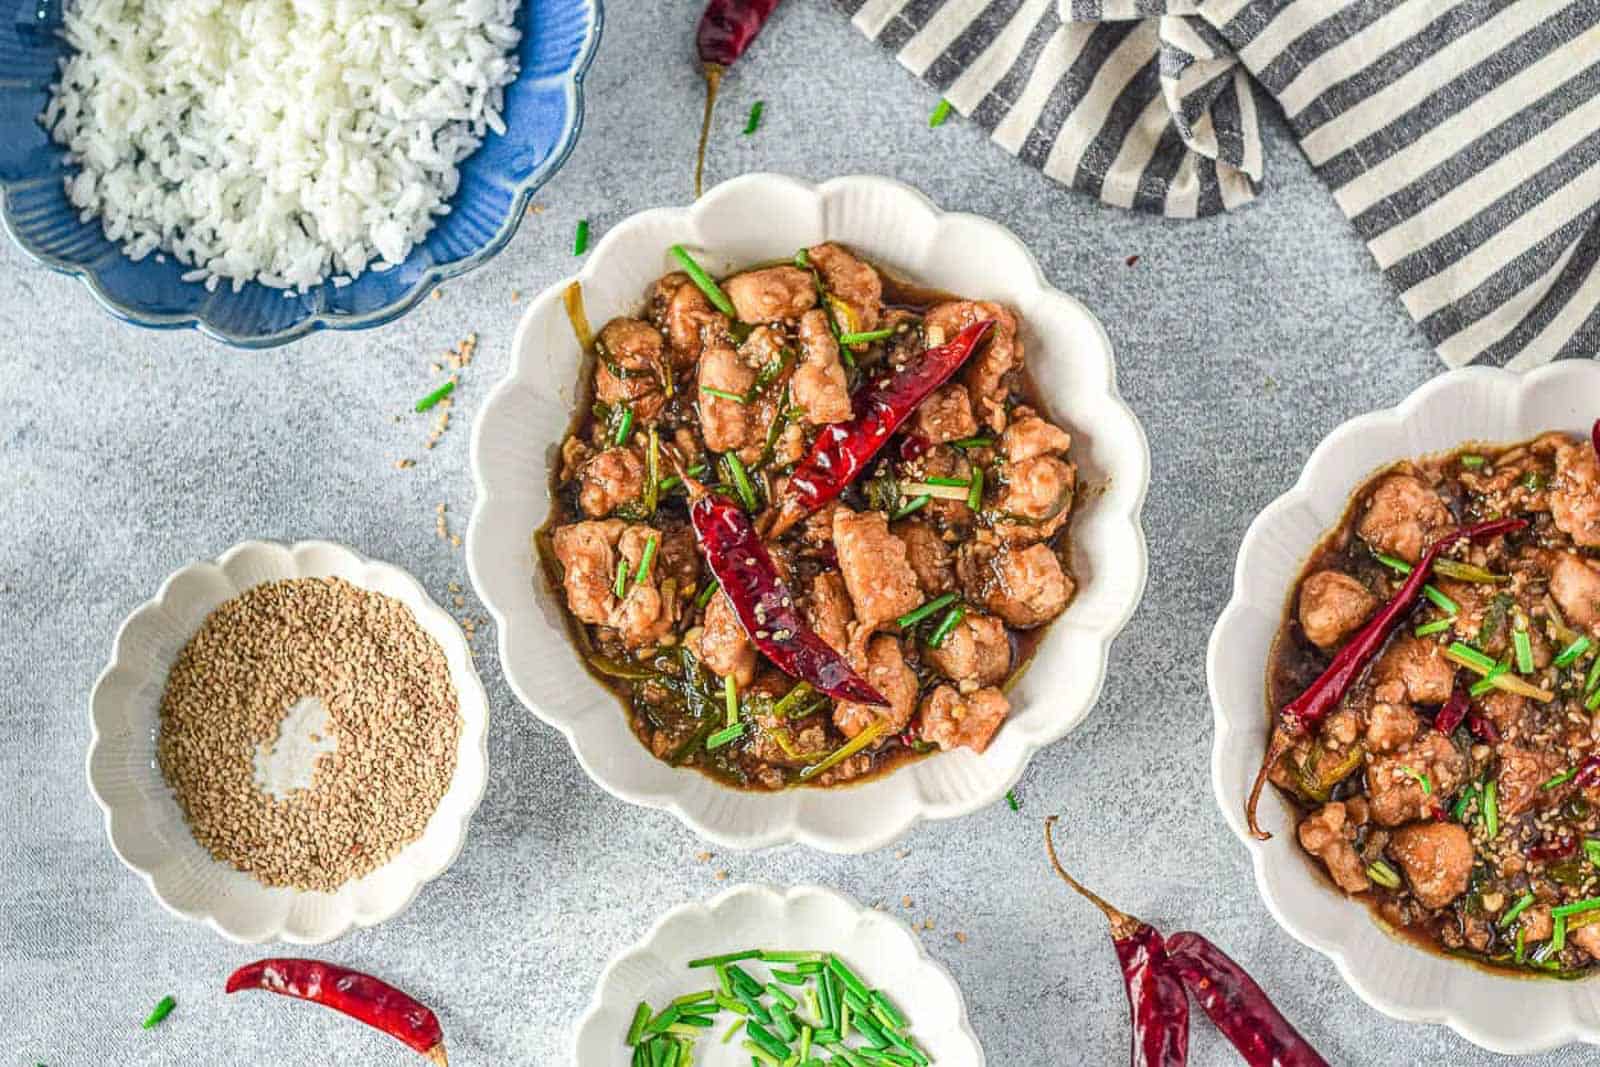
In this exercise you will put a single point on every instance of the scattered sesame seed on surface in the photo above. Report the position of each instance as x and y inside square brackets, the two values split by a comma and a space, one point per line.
[905, 902]
[961, 937]
[438, 294]
[721, 876]
[404, 464]
[702, 857]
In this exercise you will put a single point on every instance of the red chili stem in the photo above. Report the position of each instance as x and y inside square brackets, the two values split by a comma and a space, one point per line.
[1454, 710]
[1239, 1007]
[360, 996]
[1302, 714]
[765, 607]
[726, 29]
[1156, 1000]
[842, 450]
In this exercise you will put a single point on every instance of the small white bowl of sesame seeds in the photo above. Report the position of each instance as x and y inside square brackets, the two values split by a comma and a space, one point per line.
[289, 741]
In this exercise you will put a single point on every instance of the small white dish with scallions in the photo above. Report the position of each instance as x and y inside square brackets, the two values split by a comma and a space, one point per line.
[1507, 1014]
[803, 926]
[144, 821]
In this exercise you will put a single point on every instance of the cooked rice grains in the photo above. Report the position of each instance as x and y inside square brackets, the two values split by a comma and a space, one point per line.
[391, 708]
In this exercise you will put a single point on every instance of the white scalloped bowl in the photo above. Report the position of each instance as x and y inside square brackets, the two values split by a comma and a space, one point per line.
[749, 220]
[880, 948]
[142, 817]
[1501, 1013]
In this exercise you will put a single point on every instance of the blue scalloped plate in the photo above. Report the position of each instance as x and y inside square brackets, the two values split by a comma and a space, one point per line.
[543, 114]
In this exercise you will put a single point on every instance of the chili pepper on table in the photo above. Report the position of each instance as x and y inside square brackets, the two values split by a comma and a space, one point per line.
[1155, 995]
[1304, 712]
[842, 450]
[1239, 1007]
[726, 29]
[360, 996]
[766, 609]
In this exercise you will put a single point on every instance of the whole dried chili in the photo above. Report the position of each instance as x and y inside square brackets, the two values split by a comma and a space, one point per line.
[360, 996]
[1155, 995]
[1302, 714]
[1588, 772]
[842, 450]
[1455, 709]
[726, 29]
[765, 607]
[1483, 728]
[1238, 1006]
[1594, 437]
[1555, 849]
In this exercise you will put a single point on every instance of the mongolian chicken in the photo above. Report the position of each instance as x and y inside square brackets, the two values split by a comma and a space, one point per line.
[1440, 691]
[811, 520]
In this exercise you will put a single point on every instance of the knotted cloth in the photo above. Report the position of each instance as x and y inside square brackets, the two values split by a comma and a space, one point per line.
[1461, 137]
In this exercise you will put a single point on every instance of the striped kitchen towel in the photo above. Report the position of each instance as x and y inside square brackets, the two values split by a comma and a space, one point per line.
[1461, 137]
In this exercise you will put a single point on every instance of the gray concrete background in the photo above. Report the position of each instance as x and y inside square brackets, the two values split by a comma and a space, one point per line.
[126, 453]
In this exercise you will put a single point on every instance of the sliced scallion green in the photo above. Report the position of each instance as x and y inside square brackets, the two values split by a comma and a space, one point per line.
[1437, 626]
[437, 395]
[624, 425]
[950, 621]
[1591, 849]
[1490, 680]
[1440, 601]
[975, 494]
[645, 559]
[641, 1015]
[730, 698]
[753, 123]
[621, 584]
[1491, 810]
[1524, 646]
[846, 750]
[731, 957]
[1421, 779]
[1473, 656]
[706, 283]
[723, 394]
[1473, 462]
[580, 240]
[162, 1009]
[722, 737]
[741, 481]
[1559, 779]
[973, 442]
[1577, 907]
[941, 112]
[913, 505]
[1011, 799]
[1522, 904]
[866, 336]
[954, 483]
[1570, 654]
[916, 615]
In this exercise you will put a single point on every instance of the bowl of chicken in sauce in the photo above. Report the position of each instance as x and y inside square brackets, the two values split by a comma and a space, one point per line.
[835, 492]
[1407, 693]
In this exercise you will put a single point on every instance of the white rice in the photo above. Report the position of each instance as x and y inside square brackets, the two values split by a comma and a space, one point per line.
[283, 141]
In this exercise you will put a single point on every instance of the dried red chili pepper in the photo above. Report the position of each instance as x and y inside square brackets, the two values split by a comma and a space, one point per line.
[1238, 1006]
[726, 29]
[1560, 848]
[360, 996]
[1454, 710]
[842, 450]
[1304, 712]
[1155, 995]
[1594, 437]
[765, 607]
[914, 446]
[1588, 772]
[1483, 728]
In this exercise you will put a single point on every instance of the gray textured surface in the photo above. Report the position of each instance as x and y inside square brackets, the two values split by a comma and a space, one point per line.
[126, 453]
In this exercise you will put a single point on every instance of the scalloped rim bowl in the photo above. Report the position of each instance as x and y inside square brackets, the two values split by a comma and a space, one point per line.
[749, 220]
[886, 953]
[146, 828]
[1498, 1012]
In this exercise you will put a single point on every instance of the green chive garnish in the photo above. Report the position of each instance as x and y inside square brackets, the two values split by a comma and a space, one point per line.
[866, 337]
[953, 483]
[621, 585]
[706, 594]
[1383, 874]
[1390, 561]
[1472, 462]
[730, 697]
[1473, 656]
[1577, 907]
[1559, 779]
[1558, 935]
[624, 426]
[645, 557]
[1422, 779]
[1487, 682]
[700, 278]
[437, 395]
[1593, 703]
[914, 504]
[741, 481]
[973, 442]
[753, 123]
[911, 618]
[792, 700]
[1591, 849]
[1011, 799]
[722, 737]
[951, 619]
[940, 113]
[1570, 654]
[1524, 651]
[1592, 682]
[1522, 905]
[162, 1009]
[1442, 602]
[846, 750]
[580, 240]
[1438, 626]
[975, 494]
[724, 394]
[732, 957]
[1522, 944]
[641, 1015]
[1491, 810]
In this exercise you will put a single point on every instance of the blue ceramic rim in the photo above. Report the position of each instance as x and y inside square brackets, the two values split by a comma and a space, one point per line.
[424, 285]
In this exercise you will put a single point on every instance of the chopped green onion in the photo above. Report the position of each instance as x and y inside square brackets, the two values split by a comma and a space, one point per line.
[1570, 654]
[1524, 651]
[1467, 572]
[1521, 944]
[1472, 462]
[951, 619]
[700, 278]
[722, 961]
[867, 336]
[437, 395]
[1559, 779]
[621, 585]
[1491, 810]
[753, 123]
[1472, 659]
[760, 1035]
[641, 1015]
[940, 113]
[723, 394]
[975, 494]
[1533, 481]
[915, 504]
[1558, 935]
[730, 698]
[911, 618]
[706, 594]
[722, 737]
[1390, 561]
[1593, 703]
[792, 699]
[1383, 874]
[645, 559]
[162, 1009]
[1437, 626]
[624, 425]
[652, 487]
[1490, 680]
[973, 442]
[1593, 681]
[1522, 905]
[734, 1029]
[846, 750]
[1442, 602]
[580, 240]
[1467, 796]
[943, 492]
[1011, 799]
[1422, 779]
[1591, 849]
[1473, 656]
[741, 481]
[953, 483]
[1577, 907]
